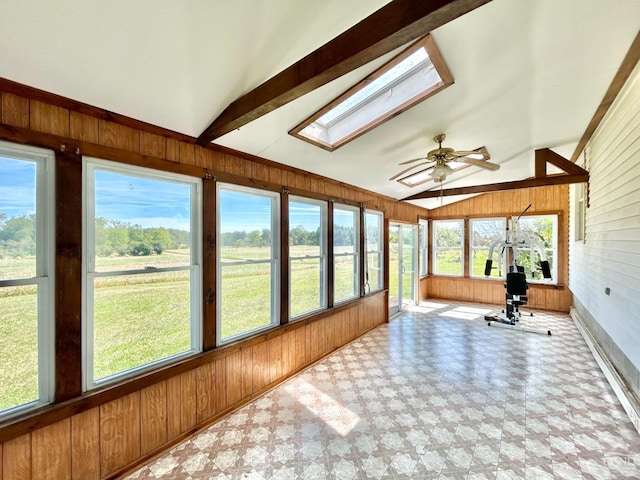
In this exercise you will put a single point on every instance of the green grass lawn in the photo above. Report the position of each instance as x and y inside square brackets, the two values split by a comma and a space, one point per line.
[142, 318]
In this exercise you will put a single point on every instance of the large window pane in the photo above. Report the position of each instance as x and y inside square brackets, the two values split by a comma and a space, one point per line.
[248, 251]
[140, 222]
[424, 246]
[373, 222]
[484, 234]
[17, 218]
[139, 319]
[246, 298]
[18, 346]
[307, 255]
[142, 295]
[26, 198]
[345, 252]
[540, 234]
[448, 247]
[306, 277]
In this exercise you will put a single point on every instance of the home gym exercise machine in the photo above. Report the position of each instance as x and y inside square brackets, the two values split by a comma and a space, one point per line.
[516, 279]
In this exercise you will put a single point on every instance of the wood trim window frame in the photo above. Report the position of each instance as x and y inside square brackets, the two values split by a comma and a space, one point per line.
[435, 248]
[90, 166]
[44, 278]
[379, 252]
[356, 251]
[274, 261]
[322, 256]
[471, 247]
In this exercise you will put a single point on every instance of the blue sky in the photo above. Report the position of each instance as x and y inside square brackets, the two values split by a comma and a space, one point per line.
[154, 203]
[141, 201]
[17, 187]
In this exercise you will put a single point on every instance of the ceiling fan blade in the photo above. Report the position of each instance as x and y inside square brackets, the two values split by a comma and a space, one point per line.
[479, 163]
[408, 169]
[407, 162]
[480, 154]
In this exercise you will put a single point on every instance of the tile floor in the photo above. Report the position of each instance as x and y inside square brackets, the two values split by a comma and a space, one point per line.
[433, 394]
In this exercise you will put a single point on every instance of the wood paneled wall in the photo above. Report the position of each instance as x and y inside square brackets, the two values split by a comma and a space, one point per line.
[553, 199]
[106, 439]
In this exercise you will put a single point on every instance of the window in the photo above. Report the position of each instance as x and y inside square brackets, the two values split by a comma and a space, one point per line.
[345, 252]
[423, 233]
[26, 286]
[373, 222]
[307, 255]
[409, 78]
[484, 233]
[580, 211]
[448, 247]
[541, 233]
[142, 303]
[248, 261]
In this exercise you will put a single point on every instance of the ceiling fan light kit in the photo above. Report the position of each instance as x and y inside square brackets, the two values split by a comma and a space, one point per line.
[440, 158]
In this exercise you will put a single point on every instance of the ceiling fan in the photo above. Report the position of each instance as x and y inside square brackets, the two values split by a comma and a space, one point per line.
[440, 157]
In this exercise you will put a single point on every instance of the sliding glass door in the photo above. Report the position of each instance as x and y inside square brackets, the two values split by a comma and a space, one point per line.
[403, 260]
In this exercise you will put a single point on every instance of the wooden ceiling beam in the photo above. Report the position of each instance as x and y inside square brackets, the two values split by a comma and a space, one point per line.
[390, 27]
[573, 174]
[496, 187]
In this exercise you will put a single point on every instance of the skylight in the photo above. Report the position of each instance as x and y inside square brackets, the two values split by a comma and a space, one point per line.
[414, 75]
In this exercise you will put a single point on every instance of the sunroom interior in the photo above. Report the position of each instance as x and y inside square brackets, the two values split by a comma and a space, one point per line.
[201, 201]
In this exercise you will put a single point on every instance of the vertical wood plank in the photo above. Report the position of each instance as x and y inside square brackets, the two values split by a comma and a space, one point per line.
[220, 385]
[152, 145]
[275, 175]
[119, 136]
[314, 347]
[174, 407]
[85, 445]
[84, 128]
[321, 338]
[49, 118]
[287, 353]
[209, 263]
[51, 451]
[234, 375]
[205, 158]
[247, 371]
[260, 366]
[153, 412]
[285, 282]
[205, 391]
[68, 272]
[119, 433]
[187, 153]
[172, 149]
[15, 110]
[274, 347]
[307, 343]
[188, 400]
[259, 172]
[16, 458]
[300, 347]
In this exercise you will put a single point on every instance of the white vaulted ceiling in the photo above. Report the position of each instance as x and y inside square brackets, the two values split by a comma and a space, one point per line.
[528, 74]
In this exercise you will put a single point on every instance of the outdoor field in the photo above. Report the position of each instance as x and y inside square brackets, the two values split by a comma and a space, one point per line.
[145, 317]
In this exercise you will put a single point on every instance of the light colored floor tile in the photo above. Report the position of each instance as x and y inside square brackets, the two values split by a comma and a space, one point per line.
[427, 396]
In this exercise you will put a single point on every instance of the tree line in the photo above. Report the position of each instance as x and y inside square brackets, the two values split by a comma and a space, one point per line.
[343, 236]
[113, 237]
